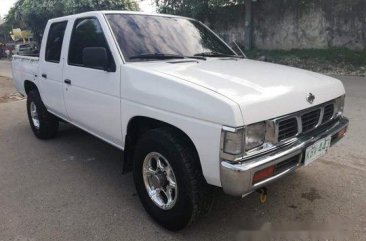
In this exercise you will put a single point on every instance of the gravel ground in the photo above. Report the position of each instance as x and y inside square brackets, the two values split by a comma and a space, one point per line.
[71, 188]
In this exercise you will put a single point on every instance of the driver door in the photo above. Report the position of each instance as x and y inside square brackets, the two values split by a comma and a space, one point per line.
[92, 95]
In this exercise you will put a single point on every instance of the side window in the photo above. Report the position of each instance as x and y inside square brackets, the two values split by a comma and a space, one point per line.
[87, 32]
[54, 42]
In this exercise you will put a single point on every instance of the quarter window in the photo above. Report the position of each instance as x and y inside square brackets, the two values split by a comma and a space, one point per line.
[87, 32]
[54, 42]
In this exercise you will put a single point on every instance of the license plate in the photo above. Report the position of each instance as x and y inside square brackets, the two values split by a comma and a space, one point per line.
[317, 150]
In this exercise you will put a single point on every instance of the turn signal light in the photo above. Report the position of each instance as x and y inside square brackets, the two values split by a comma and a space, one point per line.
[263, 174]
[342, 132]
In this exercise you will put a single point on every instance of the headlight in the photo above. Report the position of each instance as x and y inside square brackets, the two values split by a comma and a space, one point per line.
[339, 105]
[233, 141]
[255, 135]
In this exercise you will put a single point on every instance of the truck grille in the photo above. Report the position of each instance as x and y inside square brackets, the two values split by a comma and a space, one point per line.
[310, 120]
[328, 113]
[288, 126]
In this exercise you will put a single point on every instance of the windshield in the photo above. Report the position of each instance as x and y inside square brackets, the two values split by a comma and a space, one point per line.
[141, 37]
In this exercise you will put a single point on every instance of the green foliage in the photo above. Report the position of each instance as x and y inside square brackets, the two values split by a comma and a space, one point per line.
[199, 9]
[333, 55]
[34, 14]
[339, 61]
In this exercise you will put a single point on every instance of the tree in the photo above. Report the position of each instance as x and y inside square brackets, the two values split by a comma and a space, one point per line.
[199, 9]
[203, 9]
[34, 14]
[248, 35]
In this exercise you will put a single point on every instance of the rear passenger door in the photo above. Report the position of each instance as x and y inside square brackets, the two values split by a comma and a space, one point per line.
[51, 64]
[92, 95]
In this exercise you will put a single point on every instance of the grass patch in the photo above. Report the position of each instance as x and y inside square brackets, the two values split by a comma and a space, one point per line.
[337, 60]
[357, 58]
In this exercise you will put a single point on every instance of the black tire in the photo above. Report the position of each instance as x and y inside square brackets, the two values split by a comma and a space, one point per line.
[48, 123]
[195, 196]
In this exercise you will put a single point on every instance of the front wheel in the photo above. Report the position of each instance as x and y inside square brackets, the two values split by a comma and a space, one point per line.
[169, 179]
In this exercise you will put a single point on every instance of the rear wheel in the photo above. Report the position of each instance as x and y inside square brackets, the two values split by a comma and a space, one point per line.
[44, 125]
[169, 179]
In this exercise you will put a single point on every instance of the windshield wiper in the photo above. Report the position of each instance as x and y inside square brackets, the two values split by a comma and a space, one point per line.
[217, 54]
[165, 56]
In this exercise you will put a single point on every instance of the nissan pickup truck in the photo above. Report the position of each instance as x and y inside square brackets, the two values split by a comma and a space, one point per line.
[188, 112]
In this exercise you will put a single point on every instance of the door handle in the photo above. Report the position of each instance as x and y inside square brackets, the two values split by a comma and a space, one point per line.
[44, 76]
[67, 81]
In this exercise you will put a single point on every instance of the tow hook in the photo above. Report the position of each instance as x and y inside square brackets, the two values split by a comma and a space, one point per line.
[262, 194]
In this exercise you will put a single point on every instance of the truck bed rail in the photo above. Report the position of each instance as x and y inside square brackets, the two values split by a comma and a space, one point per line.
[23, 57]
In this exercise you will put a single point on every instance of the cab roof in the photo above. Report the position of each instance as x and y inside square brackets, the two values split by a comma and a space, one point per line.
[104, 12]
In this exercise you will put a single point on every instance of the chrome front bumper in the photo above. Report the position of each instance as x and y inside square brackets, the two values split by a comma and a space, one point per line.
[237, 178]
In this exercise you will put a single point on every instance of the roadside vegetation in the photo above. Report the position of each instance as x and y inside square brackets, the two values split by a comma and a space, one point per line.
[34, 14]
[339, 61]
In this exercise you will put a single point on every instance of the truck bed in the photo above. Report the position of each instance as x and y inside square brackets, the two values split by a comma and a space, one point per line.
[24, 68]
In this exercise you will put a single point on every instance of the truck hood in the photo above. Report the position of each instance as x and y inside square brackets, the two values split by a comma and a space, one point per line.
[262, 90]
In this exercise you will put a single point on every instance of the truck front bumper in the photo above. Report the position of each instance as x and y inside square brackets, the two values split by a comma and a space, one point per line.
[237, 177]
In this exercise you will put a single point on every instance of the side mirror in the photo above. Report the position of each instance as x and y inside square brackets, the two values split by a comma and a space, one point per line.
[95, 57]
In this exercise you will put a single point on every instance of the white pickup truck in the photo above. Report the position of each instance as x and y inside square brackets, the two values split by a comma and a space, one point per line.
[188, 112]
